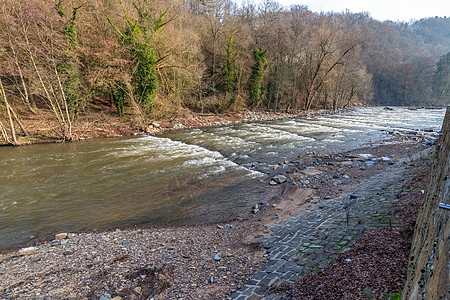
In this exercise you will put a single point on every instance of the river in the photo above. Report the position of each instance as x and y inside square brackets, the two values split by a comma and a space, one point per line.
[184, 176]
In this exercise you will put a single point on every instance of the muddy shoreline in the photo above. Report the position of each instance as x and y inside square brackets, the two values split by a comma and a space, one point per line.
[189, 261]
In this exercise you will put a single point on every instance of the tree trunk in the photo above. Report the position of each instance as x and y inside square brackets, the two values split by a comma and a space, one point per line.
[4, 133]
[8, 110]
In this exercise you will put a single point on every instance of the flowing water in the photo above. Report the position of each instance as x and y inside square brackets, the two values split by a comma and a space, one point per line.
[182, 176]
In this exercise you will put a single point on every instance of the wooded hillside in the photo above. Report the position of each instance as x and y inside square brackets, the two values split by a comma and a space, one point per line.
[159, 59]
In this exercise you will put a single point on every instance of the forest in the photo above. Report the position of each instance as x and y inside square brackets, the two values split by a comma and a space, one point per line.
[156, 59]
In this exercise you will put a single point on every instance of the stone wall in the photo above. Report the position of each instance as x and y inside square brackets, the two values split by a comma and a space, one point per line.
[428, 269]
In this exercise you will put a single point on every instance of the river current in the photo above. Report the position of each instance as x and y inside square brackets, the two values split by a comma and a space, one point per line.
[184, 176]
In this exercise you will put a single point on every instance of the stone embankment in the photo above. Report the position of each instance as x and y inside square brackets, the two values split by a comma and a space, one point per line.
[428, 271]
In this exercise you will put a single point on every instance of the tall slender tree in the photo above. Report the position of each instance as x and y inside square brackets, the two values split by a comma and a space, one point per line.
[256, 79]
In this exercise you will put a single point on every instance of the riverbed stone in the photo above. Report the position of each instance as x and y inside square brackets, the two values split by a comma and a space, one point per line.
[61, 236]
[106, 296]
[28, 251]
[278, 179]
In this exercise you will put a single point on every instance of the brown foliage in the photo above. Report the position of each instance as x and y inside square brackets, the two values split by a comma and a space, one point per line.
[314, 60]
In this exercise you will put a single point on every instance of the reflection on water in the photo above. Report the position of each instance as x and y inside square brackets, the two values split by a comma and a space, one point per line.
[181, 176]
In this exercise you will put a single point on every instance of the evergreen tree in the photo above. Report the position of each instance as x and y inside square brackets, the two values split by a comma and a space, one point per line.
[69, 68]
[139, 36]
[256, 79]
[230, 68]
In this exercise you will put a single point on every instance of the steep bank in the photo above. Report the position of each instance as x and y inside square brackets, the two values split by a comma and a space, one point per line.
[428, 269]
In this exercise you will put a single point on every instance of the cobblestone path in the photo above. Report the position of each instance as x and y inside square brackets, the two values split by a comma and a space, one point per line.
[313, 239]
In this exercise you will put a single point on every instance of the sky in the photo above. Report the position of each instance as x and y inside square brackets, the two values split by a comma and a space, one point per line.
[394, 10]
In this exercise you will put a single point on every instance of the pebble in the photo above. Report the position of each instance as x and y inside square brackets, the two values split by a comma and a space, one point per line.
[178, 126]
[291, 182]
[106, 296]
[171, 248]
[61, 236]
[217, 257]
[367, 292]
[278, 179]
[28, 251]
[54, 243]
[138, 289]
